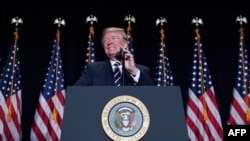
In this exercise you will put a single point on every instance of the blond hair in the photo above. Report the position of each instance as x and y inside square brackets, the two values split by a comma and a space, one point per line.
[114, 29]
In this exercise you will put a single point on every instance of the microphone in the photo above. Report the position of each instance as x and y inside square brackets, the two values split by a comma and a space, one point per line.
[120, 55]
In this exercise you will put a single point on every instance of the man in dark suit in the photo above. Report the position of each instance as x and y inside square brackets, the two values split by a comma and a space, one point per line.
[114, 40]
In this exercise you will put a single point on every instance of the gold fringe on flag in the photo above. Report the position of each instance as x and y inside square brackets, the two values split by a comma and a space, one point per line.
[54, 115]
[248, 114]
[129, 29]
[162, 33]
[9, 111]
[91, 30]
[58, 35]
[197, 33]
[205, 116]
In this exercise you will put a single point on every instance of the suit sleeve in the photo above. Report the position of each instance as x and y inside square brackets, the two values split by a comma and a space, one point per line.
[85, 79]
[145, 76]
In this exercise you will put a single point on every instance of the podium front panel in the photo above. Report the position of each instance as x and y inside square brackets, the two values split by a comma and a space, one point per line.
[84, 106]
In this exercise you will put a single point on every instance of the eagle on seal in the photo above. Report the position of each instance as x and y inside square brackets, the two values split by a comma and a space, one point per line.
[125, 118]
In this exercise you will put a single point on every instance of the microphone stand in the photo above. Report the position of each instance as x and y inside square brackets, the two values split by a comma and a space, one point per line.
[123, 70]
[120, 56]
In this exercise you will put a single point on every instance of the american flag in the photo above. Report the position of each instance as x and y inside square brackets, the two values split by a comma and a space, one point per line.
[10, 96]
[48, 118]
[130, 43]
[202, 115]
[163, 72]
[239, 109]
[90, 55]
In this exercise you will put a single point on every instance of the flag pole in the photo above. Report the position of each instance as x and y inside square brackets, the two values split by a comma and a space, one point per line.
[16, 20]
[240, 19]
[161, 21]
[129, 19]
[91, 19]
[59, 22]
[198, 21]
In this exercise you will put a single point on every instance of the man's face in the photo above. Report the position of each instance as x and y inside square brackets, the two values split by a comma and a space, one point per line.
[112, 42]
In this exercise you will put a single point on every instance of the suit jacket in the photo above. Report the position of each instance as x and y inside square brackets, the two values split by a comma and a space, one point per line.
[101, 74]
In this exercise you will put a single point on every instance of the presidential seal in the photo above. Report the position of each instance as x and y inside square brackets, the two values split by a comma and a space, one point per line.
[125, 118]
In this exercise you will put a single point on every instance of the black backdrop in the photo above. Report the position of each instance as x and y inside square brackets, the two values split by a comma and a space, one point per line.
[219, 36]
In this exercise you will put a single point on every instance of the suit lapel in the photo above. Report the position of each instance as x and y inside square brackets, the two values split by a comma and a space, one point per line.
[108, 73]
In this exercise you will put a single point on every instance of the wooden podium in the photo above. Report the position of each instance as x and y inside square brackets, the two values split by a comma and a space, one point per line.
[84, 108]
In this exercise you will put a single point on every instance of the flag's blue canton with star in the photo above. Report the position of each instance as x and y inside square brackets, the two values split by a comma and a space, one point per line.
[195, 84]
[241, 86]
[90, 55]
[49, 87]
[6, 76]
[163, 71]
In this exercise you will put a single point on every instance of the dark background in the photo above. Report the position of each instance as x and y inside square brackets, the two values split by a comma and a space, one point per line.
[219, 36]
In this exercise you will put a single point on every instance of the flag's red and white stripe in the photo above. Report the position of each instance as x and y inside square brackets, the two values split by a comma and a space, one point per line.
[45, 128]
[10, 130]
[198, 128]
[238, 110]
